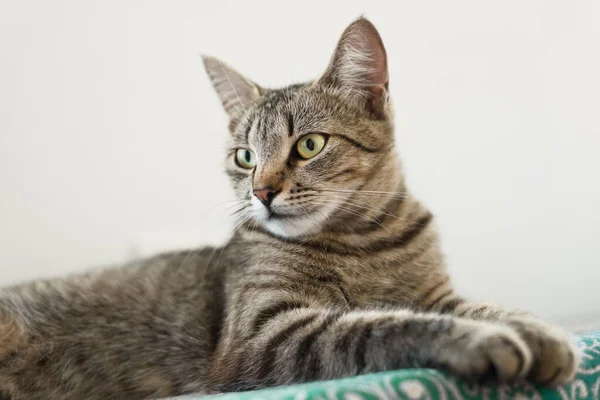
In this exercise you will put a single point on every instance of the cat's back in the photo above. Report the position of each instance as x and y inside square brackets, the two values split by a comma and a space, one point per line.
[180, 289]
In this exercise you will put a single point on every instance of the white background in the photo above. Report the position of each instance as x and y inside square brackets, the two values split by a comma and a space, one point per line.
[111, 137]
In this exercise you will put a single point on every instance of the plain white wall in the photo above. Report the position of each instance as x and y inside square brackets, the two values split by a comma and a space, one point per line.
[111, 138]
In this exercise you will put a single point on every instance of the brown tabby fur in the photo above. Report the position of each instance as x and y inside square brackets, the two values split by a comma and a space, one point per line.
[341, 275]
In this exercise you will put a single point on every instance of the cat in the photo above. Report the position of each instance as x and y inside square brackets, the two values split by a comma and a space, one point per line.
[334, 269]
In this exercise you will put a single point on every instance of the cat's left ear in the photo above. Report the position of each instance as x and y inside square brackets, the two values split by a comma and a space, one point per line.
[358, 68]
[235, 91]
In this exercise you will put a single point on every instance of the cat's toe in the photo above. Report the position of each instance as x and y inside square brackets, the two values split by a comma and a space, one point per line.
[508, 356]
[557, 359]
[492, 352]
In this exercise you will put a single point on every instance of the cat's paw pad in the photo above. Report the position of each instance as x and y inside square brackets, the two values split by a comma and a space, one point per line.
[555, 357]
[490, 352]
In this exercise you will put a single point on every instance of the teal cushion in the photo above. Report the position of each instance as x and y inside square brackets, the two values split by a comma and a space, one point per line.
[432, 384]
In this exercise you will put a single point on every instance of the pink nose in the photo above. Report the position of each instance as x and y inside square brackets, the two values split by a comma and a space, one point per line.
[266, 195]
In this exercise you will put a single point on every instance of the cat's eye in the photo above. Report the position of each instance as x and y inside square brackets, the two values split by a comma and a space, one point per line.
[245, 158]
[310, 145]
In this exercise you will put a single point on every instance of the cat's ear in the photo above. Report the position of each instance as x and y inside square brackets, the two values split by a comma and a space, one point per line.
[236, 92]
[358, 67]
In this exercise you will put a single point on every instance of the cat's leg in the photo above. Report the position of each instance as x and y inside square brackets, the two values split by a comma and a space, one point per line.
[555, 358]
[13, 337]
[79, 354]
[298, 344]
[135, 332]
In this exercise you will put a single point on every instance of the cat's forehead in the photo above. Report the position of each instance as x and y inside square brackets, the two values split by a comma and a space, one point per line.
[282, 114]
[276, 99]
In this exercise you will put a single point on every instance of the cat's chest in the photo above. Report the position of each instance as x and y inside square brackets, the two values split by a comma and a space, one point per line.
[358, 281]
[372, 286]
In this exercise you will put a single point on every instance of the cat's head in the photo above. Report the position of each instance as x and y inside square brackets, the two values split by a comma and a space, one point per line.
[307, 157]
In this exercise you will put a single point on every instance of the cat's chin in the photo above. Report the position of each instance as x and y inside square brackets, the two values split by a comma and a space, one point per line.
[292, 227]
[295, 225]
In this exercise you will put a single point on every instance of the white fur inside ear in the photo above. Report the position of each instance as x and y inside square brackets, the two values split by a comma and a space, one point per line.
[356, 64]
[359, 65]
[236, 92]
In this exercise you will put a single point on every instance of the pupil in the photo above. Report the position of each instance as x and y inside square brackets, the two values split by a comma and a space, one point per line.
[310, 144]
[247, 156]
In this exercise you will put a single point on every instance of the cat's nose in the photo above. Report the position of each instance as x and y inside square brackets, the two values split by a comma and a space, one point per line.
[266, 194]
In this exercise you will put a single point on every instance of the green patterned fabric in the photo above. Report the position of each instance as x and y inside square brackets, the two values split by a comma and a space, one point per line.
[432, 384]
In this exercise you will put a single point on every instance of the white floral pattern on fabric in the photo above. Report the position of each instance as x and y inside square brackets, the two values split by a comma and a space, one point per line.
[428, 384]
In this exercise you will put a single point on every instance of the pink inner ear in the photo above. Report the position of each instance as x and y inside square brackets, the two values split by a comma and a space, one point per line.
[360, 60]
[380, 75]
[375, 62]
[374, 47]
[359, 67]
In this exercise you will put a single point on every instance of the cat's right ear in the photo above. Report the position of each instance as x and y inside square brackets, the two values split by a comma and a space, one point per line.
[236, 92]
[358, 68]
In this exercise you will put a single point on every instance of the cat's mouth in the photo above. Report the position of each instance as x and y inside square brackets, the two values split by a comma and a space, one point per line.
[290, 221]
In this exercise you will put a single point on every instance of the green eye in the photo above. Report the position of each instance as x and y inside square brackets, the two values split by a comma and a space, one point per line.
[310, 145]
[245, 158]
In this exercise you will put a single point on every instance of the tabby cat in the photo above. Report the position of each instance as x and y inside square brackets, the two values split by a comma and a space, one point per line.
[334, 270]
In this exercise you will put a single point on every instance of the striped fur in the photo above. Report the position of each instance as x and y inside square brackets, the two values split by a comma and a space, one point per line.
[342, 276]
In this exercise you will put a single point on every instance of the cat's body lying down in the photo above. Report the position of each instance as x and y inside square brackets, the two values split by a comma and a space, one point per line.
[334, 271]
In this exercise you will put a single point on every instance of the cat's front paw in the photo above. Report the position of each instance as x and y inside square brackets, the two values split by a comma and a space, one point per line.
[555, 358]
[484, 351]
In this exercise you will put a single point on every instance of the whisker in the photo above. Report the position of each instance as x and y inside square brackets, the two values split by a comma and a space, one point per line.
[308, 213]
[361, 205]
[379, 211]
[223, 203]
[238, 203]
[375, 193]
[356, 213]
[236, 221]
[375, 209]
[239, 210]
[237, 226]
